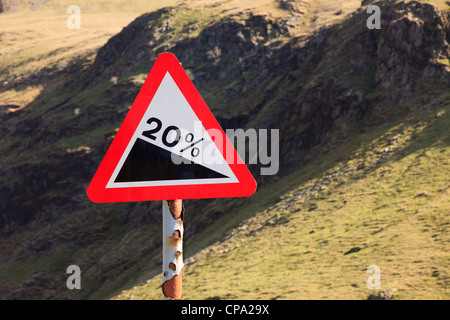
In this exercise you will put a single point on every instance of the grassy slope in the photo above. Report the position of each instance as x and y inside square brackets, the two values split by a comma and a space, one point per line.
[385, 191]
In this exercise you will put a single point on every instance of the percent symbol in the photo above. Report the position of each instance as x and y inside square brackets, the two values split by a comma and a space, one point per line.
[194, 150]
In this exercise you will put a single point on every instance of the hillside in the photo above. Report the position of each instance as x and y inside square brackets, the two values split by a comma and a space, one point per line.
[364, 149]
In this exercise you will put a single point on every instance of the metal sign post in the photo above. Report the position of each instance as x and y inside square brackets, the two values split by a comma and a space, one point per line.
[173, 214]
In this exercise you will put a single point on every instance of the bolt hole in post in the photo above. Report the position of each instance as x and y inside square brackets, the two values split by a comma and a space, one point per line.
[173, 214]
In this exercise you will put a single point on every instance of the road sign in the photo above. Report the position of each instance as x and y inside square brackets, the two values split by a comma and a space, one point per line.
[170, 146]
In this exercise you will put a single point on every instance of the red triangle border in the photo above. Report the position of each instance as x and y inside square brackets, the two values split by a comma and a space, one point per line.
[97, 190]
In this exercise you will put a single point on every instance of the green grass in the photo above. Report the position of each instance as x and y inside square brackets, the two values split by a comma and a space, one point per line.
[16, 271]
[444, 61]
[394, 209]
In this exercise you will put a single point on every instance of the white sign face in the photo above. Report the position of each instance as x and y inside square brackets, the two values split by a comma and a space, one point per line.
[170, 147]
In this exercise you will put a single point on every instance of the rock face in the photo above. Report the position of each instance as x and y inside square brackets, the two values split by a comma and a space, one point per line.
[293, 6]
[311, 88]
[7, 5]
[15, 5]
[364, 71]
[414, 36]
[383, 295]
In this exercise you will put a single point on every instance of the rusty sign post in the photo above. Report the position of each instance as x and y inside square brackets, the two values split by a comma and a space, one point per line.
[173, 214]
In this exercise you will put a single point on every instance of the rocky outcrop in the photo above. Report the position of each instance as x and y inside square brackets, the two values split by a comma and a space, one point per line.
[364, 72]
[15, 5]
[413, 37]
[294, 6]
[382, 295]
[8, 5]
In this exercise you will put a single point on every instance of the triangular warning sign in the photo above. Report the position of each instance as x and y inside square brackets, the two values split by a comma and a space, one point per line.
[170, 146]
